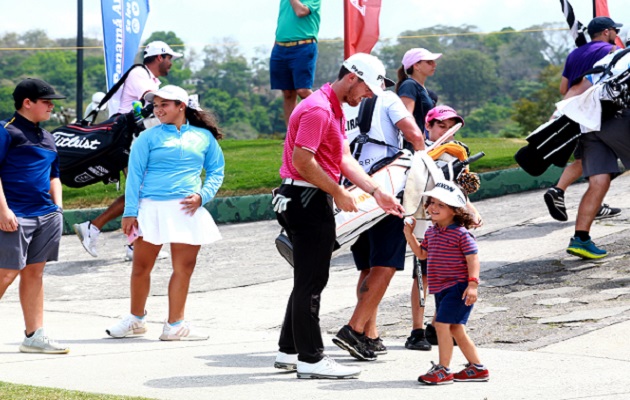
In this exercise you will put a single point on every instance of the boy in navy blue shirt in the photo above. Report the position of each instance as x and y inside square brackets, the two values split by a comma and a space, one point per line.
[30, 206]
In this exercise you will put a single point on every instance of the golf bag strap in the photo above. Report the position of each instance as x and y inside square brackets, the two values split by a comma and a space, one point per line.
[114, 89]
[604, 70]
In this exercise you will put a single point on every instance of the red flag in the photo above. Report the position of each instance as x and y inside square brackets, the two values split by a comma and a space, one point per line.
[361, 25]
[600, 9]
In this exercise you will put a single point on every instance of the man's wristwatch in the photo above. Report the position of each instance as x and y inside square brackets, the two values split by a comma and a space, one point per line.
[472, 279]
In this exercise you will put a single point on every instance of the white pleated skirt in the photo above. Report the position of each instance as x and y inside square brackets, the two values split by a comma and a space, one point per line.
[161, 222]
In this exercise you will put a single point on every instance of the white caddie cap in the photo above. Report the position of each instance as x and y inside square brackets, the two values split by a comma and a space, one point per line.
[168, 92]
[370, 69]
[447, 192]
[159, 48]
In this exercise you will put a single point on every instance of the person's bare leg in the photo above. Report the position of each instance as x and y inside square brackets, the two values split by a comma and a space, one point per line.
[144, 257]
[290, 101]
[184, 261]
[571, 173]
[445, 346]
[114, 211]
[417, 312]
[598, 186]
[7, 277]
[370, 294]
[32, 296]
[304, 93]
[465, 344]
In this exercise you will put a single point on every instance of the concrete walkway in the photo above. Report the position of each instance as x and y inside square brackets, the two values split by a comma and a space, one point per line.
[238, 296]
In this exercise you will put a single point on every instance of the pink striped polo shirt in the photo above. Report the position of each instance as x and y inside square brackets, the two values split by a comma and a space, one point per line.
[317, 125]
[447, 249]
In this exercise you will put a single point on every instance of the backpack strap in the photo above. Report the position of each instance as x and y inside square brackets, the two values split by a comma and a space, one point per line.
[600, 69]
[115, 88]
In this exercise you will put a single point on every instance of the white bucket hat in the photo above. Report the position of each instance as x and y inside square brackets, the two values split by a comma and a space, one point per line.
[447, 192]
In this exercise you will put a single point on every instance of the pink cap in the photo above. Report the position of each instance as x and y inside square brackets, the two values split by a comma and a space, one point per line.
[442, 113]
[412, 56]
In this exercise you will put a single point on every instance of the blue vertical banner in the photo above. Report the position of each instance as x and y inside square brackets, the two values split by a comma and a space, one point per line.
[123, 23]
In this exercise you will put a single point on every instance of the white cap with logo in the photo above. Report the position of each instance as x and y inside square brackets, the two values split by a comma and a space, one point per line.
[447, 192]
[168, 92]
[370, 69]
[159, 48]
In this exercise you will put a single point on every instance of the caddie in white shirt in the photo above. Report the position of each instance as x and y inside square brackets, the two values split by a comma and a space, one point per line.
[380, 251]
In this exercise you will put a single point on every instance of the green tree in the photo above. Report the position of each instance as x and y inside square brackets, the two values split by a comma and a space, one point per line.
[467, 78]
[535, 110]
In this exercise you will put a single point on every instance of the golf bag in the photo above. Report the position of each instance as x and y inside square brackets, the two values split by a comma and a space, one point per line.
[98, 153]
[95, 153]
[551, 143]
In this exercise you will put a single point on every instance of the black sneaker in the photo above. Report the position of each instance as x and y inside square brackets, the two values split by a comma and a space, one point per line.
[417, 341]
[376, 345]
[431, 335]
[354, 343]
[554, 198]
[605, 211]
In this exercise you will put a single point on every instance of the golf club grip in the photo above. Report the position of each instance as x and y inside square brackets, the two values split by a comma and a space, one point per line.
[475, 157]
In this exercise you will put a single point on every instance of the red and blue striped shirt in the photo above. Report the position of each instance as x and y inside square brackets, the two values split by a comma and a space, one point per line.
[447, 249]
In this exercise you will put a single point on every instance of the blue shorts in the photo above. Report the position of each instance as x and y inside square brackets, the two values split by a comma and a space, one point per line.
[383, 245]
[450, 308]
[292, 68]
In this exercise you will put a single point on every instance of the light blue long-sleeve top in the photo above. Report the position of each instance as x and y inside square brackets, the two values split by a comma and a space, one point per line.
[165, 164]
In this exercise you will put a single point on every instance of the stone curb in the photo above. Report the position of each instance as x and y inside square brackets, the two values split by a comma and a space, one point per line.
[226, 210]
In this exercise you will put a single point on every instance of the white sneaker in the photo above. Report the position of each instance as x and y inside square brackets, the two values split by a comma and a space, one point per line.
[40, 343]
[327, 368]
[182, 331]
[88, 235]
[286, 361]
[128, 326]
[129, 253]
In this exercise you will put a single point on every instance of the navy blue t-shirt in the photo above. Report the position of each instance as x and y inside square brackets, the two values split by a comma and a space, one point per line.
[583, 58]
[28, 160]
[413, 90]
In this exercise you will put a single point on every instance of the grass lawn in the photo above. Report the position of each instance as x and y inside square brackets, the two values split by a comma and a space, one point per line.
[252, 168]
[13, 391]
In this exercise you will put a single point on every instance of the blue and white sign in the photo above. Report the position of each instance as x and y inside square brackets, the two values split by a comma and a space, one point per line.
[123, 23]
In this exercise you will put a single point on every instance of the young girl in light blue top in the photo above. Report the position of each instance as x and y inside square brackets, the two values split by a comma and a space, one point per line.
[164, 196]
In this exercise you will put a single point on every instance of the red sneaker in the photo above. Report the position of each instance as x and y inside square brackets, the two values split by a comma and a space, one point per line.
[472, 374]
[437, 375]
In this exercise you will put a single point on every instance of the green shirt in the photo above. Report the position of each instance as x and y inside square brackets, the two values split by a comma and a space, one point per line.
[291, 27]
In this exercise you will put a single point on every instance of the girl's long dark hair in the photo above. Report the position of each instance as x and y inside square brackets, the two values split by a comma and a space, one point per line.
[203, 119]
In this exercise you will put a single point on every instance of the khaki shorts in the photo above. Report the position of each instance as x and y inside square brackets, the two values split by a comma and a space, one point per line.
[36, 240]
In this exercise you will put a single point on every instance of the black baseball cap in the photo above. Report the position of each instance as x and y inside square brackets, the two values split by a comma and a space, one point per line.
[34, 89]
[600, 24]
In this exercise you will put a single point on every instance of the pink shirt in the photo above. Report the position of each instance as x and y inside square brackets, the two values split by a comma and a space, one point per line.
[316, 125]
[139, 81]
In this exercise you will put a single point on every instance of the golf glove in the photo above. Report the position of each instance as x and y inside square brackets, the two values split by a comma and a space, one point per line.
[279, 203]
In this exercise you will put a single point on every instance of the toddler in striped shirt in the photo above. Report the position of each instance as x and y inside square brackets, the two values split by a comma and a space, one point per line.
[453, 277]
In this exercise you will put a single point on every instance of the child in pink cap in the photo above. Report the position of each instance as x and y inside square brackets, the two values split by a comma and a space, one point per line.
[439, 120]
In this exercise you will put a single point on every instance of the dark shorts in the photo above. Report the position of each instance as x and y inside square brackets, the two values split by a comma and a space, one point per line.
[449, 306]
[383, 245]
[292, 68]
[602, 149]
[35, 241]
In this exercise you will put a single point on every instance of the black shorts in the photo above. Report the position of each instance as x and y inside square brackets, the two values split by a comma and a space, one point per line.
[383, 245]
